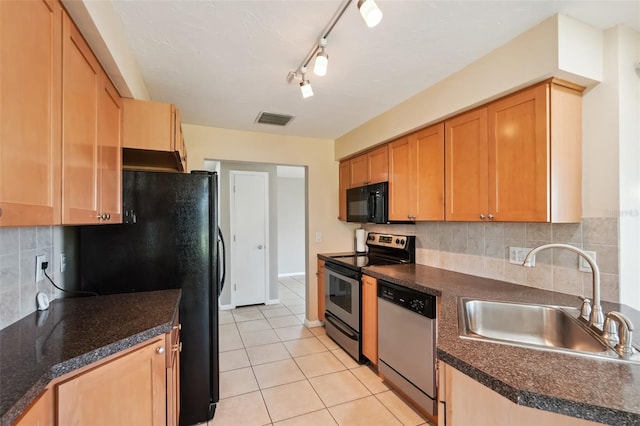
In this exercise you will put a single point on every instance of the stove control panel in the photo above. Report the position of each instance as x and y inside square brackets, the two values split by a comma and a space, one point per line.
[387, 240]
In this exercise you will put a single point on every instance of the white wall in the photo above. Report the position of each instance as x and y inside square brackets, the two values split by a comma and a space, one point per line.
[291, 226]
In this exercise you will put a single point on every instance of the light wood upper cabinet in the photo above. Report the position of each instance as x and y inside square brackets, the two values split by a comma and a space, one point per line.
[30, 114]
[110, 154]
[130, 389]
[152, 135]
[518, 159]
[90, 135]
[416, 175]
[368, 168]
[466, 166]
[370, 318]
[344, 181]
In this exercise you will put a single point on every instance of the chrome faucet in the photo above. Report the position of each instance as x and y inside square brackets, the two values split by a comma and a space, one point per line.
[596, 317]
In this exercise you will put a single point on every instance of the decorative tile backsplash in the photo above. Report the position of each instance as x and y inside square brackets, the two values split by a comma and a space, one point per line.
[482, 248]
[18, 250]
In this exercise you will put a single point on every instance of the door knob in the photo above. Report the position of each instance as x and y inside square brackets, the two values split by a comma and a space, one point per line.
[260, 247]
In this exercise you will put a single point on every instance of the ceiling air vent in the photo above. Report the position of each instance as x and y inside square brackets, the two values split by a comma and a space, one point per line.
[274, 119]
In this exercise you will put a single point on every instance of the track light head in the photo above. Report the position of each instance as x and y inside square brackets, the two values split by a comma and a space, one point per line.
[321, 64]
[370, 12]
[306, 89]
[305, 85]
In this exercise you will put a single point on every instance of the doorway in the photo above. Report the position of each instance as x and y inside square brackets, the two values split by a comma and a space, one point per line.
[249, 219]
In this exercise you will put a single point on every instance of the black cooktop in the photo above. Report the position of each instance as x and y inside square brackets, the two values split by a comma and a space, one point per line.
[360, 261]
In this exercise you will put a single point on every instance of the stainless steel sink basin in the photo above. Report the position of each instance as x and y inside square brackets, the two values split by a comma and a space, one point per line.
[529, 325]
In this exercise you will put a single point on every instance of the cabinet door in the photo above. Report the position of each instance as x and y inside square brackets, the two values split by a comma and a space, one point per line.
[30, 82]
[129, 390]
[378, 165]
[519, 157]
[342, 189]
[173, 376]
[401, 180]
[81, 84]
[370, 318]
[427, 168]
[40, 413]
[321, 290]
[358, 171]
[466, 166]
[110, 150]
[148, 125]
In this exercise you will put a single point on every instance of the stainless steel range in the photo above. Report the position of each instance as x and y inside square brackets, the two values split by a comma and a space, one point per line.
[343, 286]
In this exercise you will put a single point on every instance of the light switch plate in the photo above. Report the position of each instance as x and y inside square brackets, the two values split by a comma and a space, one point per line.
[583, 265]
[517, 255]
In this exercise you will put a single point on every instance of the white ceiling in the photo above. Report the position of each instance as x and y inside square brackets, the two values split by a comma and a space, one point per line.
[223, 62]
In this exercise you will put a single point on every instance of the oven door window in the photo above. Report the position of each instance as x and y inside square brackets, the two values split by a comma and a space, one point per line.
[340, 293]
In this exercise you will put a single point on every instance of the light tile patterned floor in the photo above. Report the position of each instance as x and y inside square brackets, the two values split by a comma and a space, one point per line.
[275, 371]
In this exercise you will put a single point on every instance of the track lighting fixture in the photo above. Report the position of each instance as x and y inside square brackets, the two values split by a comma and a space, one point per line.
[370, 12]
[322, 59]
[305, 85]
[372, 17]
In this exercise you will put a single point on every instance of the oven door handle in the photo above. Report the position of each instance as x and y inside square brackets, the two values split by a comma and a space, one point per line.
[329, 317]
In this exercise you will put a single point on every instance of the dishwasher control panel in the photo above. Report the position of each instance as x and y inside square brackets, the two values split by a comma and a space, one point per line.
[420, 303]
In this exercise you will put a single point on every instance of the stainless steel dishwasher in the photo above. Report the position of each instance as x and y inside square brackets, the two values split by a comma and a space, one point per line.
[407, 342]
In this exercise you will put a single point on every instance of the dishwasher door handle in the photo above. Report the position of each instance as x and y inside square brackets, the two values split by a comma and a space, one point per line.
[336, 323]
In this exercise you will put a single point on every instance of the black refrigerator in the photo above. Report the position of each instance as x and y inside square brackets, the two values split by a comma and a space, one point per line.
[169, 239]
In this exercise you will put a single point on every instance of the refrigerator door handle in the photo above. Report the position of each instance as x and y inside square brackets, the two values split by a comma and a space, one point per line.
[224, 268]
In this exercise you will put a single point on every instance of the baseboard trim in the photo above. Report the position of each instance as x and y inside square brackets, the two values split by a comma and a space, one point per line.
[225, 307]
[291, 274]
[272, 302]
[311, 324]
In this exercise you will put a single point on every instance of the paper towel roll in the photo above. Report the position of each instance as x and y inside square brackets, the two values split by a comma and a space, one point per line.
[361, 239]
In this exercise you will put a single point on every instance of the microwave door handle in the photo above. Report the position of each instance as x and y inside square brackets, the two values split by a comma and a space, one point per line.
[372, 205]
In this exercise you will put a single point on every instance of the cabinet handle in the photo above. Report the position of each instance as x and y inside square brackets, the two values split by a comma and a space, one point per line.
[160, 350]
[481, 216]
[108, 216]
[177, 347]
[490, 216]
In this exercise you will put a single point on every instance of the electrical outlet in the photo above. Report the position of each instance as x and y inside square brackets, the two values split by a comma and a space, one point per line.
[583, 265]
[318, 237]
[517, 255]
[39, 272]
[63, 262]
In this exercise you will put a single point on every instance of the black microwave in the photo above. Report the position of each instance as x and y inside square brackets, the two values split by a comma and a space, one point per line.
[368, 204]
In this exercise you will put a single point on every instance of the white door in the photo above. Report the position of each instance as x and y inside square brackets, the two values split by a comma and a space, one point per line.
[249, 235]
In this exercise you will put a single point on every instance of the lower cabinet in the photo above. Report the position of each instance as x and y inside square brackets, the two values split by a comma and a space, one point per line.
[321, 290]
[370, 318]
[130, 389]
[41, 411]
[463, 401]
[139, 387]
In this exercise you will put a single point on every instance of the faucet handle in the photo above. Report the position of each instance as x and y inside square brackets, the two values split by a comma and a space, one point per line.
[585, 309]
[625, 328]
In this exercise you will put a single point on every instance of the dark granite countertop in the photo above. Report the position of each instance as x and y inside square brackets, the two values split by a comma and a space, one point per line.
[599, 390]
[72, 333]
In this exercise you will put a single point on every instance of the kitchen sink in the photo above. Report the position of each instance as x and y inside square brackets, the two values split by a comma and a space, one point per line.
[539, 326]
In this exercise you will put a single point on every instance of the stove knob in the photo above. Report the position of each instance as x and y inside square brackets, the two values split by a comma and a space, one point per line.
[397, 240]
[402, 241]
